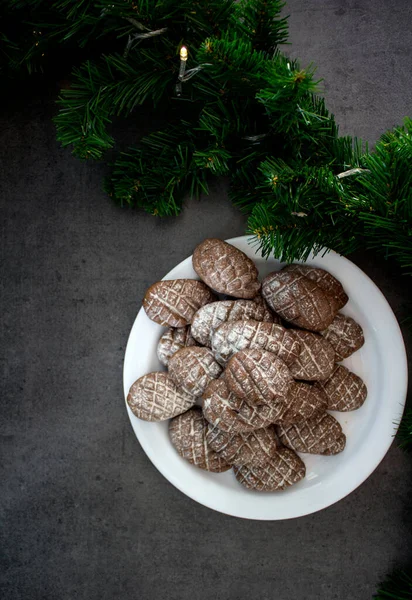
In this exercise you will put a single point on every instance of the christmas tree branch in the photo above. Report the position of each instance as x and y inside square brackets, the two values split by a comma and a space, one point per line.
[250, 112]
[114, 87]
[261, 22]
[404, 434]
[397, 586]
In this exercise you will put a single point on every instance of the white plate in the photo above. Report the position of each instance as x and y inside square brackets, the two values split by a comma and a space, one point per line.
[381, 363]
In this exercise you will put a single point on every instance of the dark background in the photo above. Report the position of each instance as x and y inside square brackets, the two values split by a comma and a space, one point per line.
[84, 514]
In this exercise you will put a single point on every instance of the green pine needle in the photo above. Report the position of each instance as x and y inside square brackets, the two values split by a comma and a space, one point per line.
[243, 110]
[260, 21]
[404, 434]
[397, 586]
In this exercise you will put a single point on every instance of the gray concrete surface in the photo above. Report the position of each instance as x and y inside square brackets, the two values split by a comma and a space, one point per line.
[84, 514]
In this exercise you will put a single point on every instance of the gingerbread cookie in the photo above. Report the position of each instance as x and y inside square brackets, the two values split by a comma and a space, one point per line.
[193, 368]
[337, 447]
[235, 336]
[298, 300]
[343, 390]
[253, 448]
[318, 435]
[210, 317]
[188, 436]
[234, 415]
[258, 376]
[270, 316]
[345, 335]
[316, 359]
[175, 302]
[226, 269]
[327, 282]
[173, 340]
[303, 402]
[284, 469]
[155, 397]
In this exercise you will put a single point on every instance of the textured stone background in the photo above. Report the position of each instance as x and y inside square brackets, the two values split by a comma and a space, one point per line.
[84, 514]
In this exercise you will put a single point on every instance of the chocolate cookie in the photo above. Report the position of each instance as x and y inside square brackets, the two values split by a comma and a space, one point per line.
[234, 415]
[211, 316]
[235, 336]
[226, 269]
[284, 469]
[258, 376]
[270, 316]
[319, 435]
[253, 448]
[188, 436]
[337, 447]
[193, 368]
[343, 390]
[324, 280]
[154, 397]
[175, 302]
[303, 402]
[298, 300]
[345, 335]
[316, 359]
[172, 341]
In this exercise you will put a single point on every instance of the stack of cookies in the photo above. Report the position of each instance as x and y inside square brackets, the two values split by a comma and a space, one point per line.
[251, 378]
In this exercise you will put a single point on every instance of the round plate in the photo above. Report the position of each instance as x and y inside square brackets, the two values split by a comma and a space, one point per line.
[381, 363]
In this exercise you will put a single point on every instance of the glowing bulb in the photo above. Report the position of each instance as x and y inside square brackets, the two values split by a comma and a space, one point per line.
[183, 53]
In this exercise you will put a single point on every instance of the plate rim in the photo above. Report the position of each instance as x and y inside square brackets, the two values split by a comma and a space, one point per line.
[402, 384]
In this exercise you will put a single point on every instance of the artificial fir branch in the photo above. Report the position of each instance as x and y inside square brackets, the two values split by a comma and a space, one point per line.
[397, 586]
[226, 65]
[372, 207]
[248, 112]
[404, 434]
[98, 92]
[156, 176]
[260, 21]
